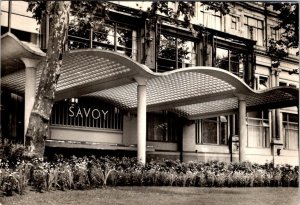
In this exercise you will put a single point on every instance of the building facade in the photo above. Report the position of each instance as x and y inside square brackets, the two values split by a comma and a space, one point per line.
[210, 96]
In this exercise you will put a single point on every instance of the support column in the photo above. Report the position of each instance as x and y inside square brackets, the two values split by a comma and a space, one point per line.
[242, 129]
[277, 112]
[141, 119]
[30, 87]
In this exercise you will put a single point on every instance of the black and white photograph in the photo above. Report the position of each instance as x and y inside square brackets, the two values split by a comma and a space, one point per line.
[149, 102]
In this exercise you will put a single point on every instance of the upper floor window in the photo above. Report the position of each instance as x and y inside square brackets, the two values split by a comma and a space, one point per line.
[274, 33]
[210, 18]
[234, 22]
[261, 82]
[163, 127]
[114, 36]
[254, 29]
[290, 131]
[212, 130]
[230, 60]
[175, 52]
[286, 83]
[258, 130]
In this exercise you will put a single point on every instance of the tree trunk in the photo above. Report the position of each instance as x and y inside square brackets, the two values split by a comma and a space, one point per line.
[37, 130]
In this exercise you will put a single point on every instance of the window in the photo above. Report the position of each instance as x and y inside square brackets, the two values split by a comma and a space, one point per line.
[274, 33]
[210, 18]
[258, 130]
[290, 131]
[111, 36]
[163, 127]
[87, 113]
[261, 82]
[254, 30]
[230, 60]
[285, 83]
[174, 53]
[234, 22]
[212, 130]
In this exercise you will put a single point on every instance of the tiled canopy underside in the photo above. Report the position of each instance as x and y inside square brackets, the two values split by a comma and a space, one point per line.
[188, 93]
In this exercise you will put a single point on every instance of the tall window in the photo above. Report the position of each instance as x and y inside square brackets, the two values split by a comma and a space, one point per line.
[210, 18]
[258, 130]
[163, 127]
[175, 52]
[212, 130]
[290, 131]
[234, 22]
[274, 33]
[111, 36]
[254, 29]
[230, 60]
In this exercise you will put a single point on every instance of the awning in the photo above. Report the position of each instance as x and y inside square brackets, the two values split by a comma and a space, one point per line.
[12, 50]
[191, 92]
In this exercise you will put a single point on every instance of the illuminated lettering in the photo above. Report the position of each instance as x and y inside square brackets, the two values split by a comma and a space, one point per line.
[71, 111]
[79, 112]
[86, 113]
[94, 115]
[104, 113]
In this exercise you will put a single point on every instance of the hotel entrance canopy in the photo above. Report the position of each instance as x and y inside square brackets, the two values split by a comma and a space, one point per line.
[191, 92]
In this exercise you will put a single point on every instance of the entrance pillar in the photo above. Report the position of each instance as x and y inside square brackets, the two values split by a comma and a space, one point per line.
[30, 87]
[141, 119]
[242, 129]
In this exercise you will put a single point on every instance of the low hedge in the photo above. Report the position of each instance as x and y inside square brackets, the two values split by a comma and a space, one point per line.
[93, 172]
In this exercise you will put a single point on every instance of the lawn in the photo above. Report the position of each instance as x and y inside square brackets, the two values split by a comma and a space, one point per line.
[160, 196]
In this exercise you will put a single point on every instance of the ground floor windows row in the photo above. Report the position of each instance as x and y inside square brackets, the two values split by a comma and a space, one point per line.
[219, 130]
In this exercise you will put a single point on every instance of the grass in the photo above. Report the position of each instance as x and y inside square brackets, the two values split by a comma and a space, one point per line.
[160, 196]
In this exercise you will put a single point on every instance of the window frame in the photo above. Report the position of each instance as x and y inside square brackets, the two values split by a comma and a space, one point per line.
[177, 38]
[257, 84]
[287, 122]
[166, 117]
[199, 131]
[89, 40]
[260, 42]
[229, 50]
[263, 123]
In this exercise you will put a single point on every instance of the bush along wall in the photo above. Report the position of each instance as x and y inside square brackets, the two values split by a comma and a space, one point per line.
[92, 172]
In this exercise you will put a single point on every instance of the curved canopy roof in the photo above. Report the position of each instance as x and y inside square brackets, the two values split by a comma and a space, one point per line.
[12, 50]
[191, 92]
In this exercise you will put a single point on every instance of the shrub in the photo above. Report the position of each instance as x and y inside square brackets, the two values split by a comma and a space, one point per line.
[92, 172]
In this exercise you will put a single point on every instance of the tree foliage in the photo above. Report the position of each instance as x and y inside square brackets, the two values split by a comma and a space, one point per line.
[288, 16]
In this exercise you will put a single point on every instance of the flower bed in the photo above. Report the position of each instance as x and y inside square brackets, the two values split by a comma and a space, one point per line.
[92, 172]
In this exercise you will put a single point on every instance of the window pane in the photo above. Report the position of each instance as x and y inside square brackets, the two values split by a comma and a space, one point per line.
[169, 47]
[186, 53]
[124, 41]
[222, 60]
[104, 34]
[217, 23]
[263, 82]
[293, 118]
[209, 131]
[259, 24]
[223, 130]
[235, 59]
[167, 52]
[259, 37]
[163, 126]
[252, 22]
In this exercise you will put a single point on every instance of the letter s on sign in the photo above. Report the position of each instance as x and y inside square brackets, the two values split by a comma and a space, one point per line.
[71, 111]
